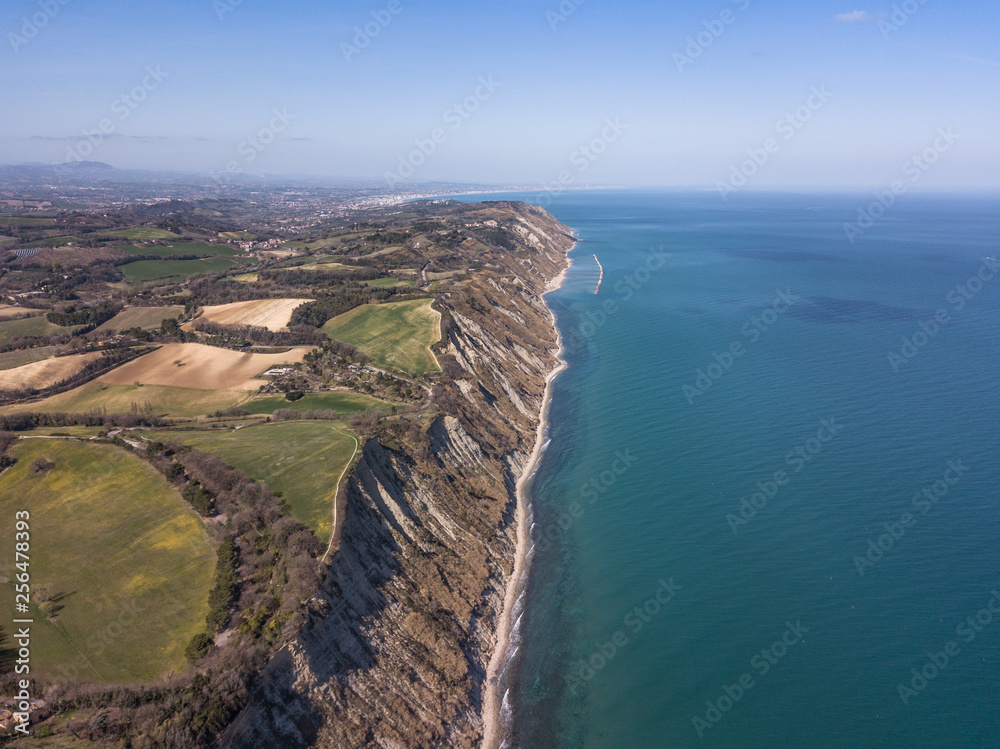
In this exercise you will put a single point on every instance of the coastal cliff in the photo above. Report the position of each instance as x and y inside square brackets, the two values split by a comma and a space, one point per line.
[396, 645]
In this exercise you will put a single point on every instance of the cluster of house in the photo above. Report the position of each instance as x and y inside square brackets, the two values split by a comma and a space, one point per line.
[268, 245]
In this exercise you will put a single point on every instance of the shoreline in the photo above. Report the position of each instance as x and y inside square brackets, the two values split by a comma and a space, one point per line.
[493, 700]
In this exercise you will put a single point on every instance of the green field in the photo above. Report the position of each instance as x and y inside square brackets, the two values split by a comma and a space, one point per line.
[173, 270]
[183, 403]
[245, 278]
[342, 403]
[52, 241]
[201, 249]
[397, 334]
[13, 359]
[303, 460]
[147, 318]
[236, 235]
[25, 221]
[38, 325]
[389, 283]
[118, 549]
[144, 232]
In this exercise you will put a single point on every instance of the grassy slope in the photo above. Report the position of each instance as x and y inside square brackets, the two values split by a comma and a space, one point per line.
[171, 401]
[301, 459]
[397, 334]
[108, 532]
[14, 359]
[144, 232]
[37, 325]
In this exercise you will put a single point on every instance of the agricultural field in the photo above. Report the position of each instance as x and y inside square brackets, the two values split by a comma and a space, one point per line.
[12, 312]
[246, 278]
[342, 402]
[236, 236]
[200, 249]
[273, 314]
[124, 563]
[45, 373]
[147, 318]
[397, 334]
[26, 221]
[36, 326]
[303, 460]
[322, 266]
[173, 270]
[389, 283]
[53, 242]
[177, 402]
[193, 365]
[13, 359]
[144, 232]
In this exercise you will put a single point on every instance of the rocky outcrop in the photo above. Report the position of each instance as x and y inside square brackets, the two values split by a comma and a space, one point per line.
[396, 645]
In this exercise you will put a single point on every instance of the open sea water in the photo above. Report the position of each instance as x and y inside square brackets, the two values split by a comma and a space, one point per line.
[769, 514]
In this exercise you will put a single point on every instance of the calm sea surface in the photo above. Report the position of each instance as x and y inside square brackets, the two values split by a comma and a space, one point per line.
[769, 513]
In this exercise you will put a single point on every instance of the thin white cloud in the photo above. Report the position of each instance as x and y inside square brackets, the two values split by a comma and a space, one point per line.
[855, 16]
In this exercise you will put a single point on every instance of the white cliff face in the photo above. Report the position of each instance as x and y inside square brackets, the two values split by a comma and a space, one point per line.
[396, 644]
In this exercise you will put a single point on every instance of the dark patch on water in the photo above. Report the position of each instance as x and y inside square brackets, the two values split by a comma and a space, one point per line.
[833, 310]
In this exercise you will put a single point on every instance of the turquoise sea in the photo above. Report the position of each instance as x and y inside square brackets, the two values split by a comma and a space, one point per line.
[769, 511]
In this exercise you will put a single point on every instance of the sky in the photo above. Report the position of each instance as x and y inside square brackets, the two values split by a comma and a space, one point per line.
[750, 93]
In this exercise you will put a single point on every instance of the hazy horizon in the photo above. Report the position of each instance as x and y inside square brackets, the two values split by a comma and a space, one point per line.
[699, 95]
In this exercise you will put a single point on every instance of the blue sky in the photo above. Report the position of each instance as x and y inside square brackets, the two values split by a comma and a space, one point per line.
[691, 110]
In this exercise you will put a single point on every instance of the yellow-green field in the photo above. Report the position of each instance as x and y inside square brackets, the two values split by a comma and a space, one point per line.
[122, 556]
[165, 400]
[303, 460]
[397, 334]
[147, 318]
[14, 359]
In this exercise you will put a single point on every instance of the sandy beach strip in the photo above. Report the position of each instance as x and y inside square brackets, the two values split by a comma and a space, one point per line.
[492, 701]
